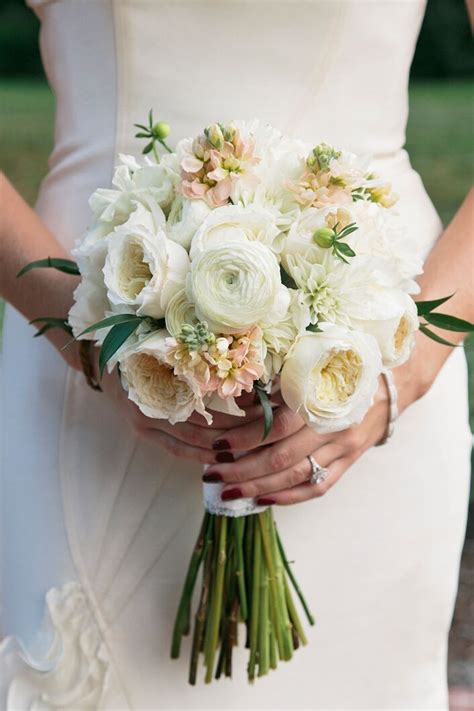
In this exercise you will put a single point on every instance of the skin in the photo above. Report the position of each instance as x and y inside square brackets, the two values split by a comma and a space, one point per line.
[278, 471]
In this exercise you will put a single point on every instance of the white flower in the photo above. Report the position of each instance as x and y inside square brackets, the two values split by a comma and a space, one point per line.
[236, 285]
[381, 234]
[395, 336]
[151, 184]
[180, 311]
[143, 269]
[330, 378]
[234, 223]
[281, 335]
[152, 385]
[90, 305]
[185, 217]
[364, 289]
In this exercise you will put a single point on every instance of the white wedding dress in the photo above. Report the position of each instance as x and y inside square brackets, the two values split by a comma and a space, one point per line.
[97, 526]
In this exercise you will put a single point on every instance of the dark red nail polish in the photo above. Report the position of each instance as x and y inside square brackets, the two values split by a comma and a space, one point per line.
[224, 457]
[221, 444]
[230, 494]
[265, 501]
[211, 477]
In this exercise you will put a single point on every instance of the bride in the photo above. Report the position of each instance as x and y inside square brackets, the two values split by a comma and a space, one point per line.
[102, 504]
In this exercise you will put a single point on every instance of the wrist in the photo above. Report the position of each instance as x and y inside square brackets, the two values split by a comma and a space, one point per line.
[413, 379]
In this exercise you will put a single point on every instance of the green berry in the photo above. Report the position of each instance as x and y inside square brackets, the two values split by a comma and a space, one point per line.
[324, 237]
[161, 130]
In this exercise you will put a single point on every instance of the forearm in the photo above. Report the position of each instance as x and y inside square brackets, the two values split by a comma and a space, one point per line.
[448, 270]
[41, 292]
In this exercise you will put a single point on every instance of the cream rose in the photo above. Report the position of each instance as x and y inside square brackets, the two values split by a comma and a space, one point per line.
[152, 385]
[236, 285]
[330, 378]
[185, 217]
[143, 269]
[234, 223]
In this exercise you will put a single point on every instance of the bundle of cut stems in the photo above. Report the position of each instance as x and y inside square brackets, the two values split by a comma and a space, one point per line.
[245, 578]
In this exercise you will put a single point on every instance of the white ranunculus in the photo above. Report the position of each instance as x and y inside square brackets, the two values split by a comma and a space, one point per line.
[280, 336]
[336, 292]
[185, 217]
[236, 285]
[381, 234]
[395, 336]
[143, 269]
[180, 311]
[152, 385]
[234, 223]
[330, 378]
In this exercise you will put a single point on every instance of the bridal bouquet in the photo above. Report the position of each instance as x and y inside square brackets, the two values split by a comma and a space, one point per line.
[240, 259]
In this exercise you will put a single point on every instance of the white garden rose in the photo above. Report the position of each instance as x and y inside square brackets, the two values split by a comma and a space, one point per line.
[185, 217]
[152, 385]
[396, 335]
[236, 285]
[143, 269]
[336, 292]
[234, 223]
[381, 234]
[330, 378]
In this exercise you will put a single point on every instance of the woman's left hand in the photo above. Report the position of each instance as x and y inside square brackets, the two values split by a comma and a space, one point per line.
[279, 472]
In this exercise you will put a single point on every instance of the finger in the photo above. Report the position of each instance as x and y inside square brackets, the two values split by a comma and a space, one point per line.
[178, 448]
[249, 435]
[201, 437]
[272, 458]
[307, 491]
[263, 486]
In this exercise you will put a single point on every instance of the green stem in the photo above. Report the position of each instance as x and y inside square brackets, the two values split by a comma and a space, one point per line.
[279, 574]
[294, 614]
[200, 621]
[273, 642]
[239, 526]
[293, 580]
[216, 602]
[263, 628]
[155, 152]
[181, 625]
[257, 571]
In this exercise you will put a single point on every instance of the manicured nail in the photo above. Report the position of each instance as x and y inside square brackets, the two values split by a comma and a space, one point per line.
[224, 457]
[230, 494]
[265, 501]
[211, 477]
[221, 444]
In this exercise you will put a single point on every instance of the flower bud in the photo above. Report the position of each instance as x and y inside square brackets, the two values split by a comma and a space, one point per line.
[161, 130]
[215, 136]
[324, 237]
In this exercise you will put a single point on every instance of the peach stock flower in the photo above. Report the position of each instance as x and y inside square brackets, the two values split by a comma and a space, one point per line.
[216, 161]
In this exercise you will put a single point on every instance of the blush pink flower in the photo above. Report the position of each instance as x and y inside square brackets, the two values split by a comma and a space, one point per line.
[218, 159]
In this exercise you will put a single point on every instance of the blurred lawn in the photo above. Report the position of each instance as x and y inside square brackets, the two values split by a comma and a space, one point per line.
[439, 140]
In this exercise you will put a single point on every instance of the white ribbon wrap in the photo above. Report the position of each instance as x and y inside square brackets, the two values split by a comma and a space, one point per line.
[213, 503]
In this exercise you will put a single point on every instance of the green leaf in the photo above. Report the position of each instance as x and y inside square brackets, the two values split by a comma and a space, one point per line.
[435, 337]
[150, 118]
[313, 328]
[111, 321]
[347, 231]
[115, 338]
[141, 134]
[63, 265]
[286, 279]
[424, 307]
[140, 125]
[449, 323]
[148, 148]
[267, 411]
[344, 249]
[50, 322]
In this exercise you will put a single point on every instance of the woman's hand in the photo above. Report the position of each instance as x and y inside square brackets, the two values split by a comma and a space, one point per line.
[279, 473]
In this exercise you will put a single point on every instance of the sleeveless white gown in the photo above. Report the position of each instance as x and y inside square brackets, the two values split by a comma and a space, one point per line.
[97, 526]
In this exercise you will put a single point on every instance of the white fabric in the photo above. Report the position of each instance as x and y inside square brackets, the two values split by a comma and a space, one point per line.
[85, 504]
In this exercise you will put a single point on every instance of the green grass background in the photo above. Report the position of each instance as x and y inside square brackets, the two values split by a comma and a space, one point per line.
[439, 140]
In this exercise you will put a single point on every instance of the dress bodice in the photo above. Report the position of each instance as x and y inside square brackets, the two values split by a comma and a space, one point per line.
[321, 70]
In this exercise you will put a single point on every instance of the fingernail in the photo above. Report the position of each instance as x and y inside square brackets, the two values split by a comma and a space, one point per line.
[212, 477]
[230, 494]
[221, 444]
[224, 457]
[265, 501]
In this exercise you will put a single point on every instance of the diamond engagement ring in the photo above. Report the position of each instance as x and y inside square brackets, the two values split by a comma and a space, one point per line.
[318, 473]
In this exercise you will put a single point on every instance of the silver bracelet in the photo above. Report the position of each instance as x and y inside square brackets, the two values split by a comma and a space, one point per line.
[393, 406]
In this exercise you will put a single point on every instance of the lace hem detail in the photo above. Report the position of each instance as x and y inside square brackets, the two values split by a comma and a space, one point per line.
[75, 672]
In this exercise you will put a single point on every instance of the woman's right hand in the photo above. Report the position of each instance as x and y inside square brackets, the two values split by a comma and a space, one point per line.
[189, 440]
